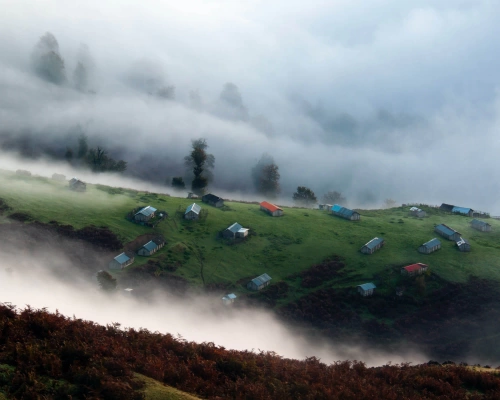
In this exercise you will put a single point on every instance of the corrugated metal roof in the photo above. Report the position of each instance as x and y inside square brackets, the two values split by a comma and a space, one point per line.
[461, 210]
[478, 222]
[462, 241]
[211, 198]
[260, 280]
[342, 210]
[150, 246]
[269, 206]
[374, 243]
[432, 243]
[122, 258]
[415, 267]
[147, 211]
[367, 286]
[235, 227]
[445, 229]
[194, 208]
[231, 296]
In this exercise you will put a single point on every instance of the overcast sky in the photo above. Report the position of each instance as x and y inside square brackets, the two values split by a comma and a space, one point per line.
[375, 98]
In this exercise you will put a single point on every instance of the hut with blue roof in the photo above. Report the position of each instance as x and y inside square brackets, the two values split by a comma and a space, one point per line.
[372, 246]
[366, 289]
[259, 283]
[235, 231]
[192, 211]
[447, 232]
[151, 247]
[145, 214]
[430, 246]
[345, 213]
[229, 299]
[121, 261]
[480, 225]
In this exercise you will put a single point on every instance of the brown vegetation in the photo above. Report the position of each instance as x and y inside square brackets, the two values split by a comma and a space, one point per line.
[45, 355]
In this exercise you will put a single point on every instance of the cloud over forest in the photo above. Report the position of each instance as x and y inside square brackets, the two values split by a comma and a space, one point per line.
[386, 99]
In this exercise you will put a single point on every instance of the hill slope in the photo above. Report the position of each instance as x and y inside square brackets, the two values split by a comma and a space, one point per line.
[47, 355]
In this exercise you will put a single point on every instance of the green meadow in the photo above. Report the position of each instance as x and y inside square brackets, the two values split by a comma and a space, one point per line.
[279, 246]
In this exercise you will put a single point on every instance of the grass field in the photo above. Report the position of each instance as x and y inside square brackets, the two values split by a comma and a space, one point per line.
[279, 246]
[155, 390]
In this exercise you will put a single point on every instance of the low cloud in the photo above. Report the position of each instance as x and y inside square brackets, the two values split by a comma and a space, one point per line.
[33, 280]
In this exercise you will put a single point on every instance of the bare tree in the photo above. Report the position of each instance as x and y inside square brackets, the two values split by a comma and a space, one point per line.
[333, 197]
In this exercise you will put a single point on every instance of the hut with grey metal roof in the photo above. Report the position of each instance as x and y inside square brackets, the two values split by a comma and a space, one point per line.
[480, 225]
[447, 232]
[431, 246]
[259, 283]
[463, 244]
[235, 231]
[192, 211]
[372, 246]
[229, 299]
[345, 213]
[145, 214]
[121, 261]
[417, 212]
[151, 247]
[77, 185]
[463, 211]
[213, 200]
[366, 289]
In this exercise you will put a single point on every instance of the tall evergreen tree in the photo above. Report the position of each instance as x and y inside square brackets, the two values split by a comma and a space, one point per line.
[201, 163]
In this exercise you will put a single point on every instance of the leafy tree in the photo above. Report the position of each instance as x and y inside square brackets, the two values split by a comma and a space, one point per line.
[178, 182]
[304, 196]
[266, 176]
[333, 197]
[201, 162]
[99, 161]
[47, 61]
[106, 281]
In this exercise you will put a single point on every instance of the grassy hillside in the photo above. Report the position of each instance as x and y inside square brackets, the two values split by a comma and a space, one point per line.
[155, 390]
[280, 246]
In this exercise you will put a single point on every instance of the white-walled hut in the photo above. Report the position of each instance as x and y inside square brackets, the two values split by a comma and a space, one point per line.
[121, 261]
[271, 209]
[77, 185]
[447, 232]
[259, 283]
[463, 244]
[235, 231]
[372, 246]
[145, 214]
[431, 246]
[414, 269]
[192, 211]
[480, 225]
[229, 299]
[151, 247]
[345, 213]
[213, 200]
[417, 212]
[366, 289]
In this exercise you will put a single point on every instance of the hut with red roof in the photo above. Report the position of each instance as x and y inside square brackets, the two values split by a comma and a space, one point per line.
[414, 269]
[271, 209]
